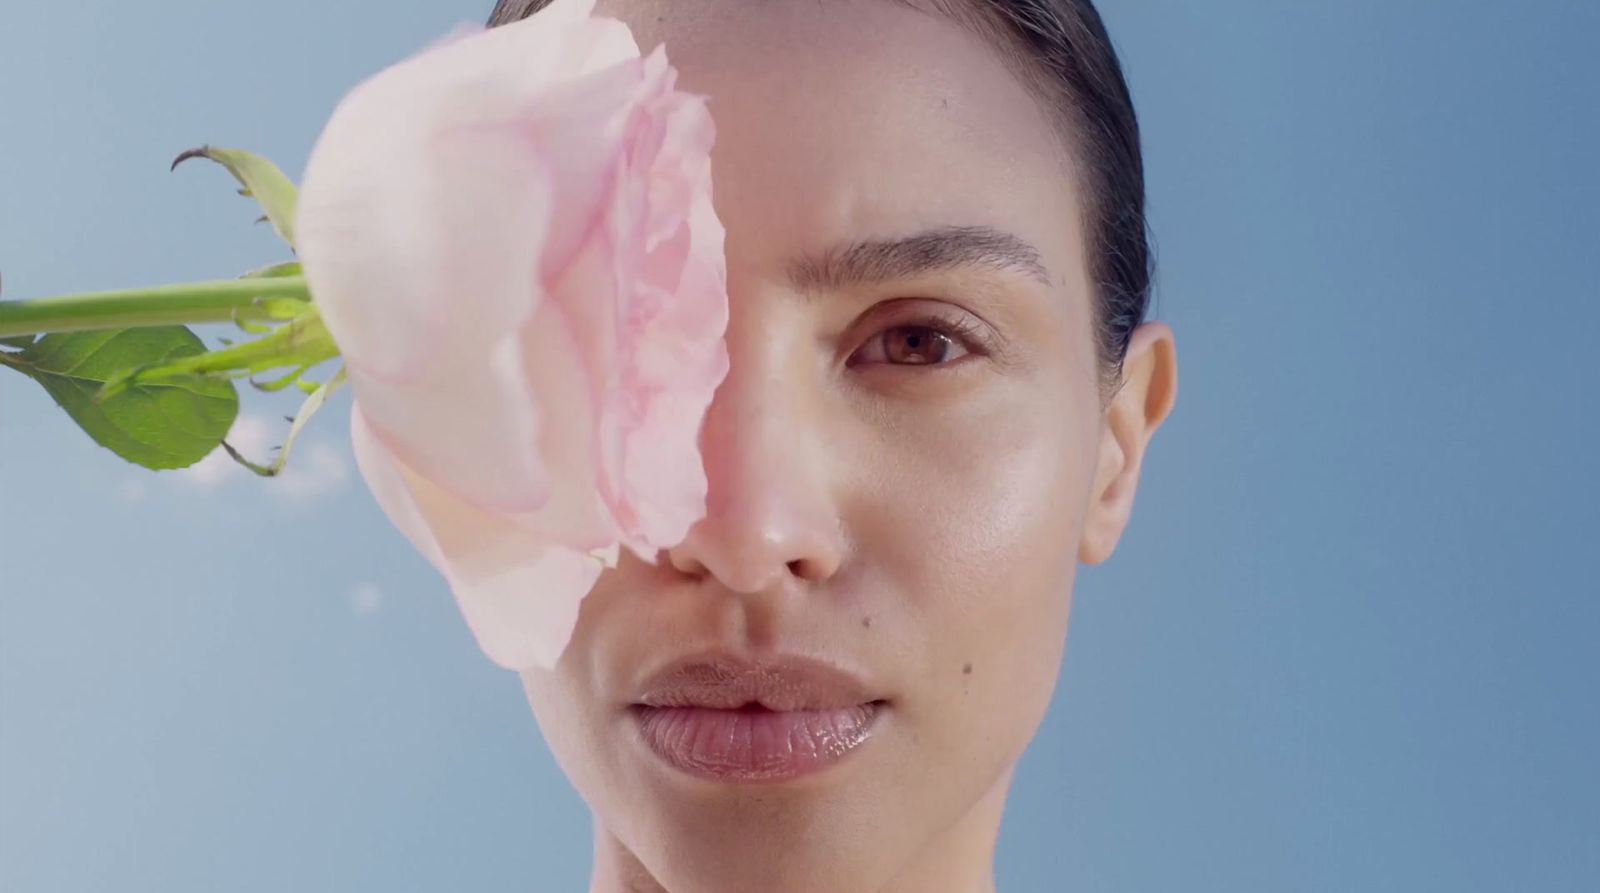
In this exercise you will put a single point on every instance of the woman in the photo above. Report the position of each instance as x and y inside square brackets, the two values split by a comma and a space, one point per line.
[939, 399]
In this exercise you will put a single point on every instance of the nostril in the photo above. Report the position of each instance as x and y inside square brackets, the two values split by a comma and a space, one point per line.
[685, 564]
[814, 569]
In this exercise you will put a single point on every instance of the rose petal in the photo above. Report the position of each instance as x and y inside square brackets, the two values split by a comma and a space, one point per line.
[524, 615]
[655, 480]
[512, 239]
[382, 476]
[429, 181]
[520, 596]
[471, 426]
[425, 232]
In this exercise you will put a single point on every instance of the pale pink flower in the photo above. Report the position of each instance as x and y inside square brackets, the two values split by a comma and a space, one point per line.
[511, 238]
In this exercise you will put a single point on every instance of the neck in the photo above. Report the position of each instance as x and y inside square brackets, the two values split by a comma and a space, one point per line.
[959, 859]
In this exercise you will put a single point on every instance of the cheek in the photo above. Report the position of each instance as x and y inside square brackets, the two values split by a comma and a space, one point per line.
[972, 522]
[571, 723]
[555, 713]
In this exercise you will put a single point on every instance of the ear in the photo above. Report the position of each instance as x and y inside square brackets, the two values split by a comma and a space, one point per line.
[1149, 387]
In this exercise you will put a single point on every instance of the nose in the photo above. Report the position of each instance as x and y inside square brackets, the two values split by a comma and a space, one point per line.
[771, 518]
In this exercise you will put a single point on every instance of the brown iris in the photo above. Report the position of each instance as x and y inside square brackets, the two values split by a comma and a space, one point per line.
[916, 345]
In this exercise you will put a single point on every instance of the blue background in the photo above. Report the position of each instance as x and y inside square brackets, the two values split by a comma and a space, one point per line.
[1348, 642]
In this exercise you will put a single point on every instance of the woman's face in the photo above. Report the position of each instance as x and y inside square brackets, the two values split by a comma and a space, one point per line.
[903, 459]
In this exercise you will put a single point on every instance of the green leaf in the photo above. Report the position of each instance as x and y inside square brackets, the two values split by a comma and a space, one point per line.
[275, 271]
[261, 179]
[172, 423]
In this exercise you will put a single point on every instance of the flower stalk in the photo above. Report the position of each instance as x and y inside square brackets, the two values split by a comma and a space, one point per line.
[224, 301]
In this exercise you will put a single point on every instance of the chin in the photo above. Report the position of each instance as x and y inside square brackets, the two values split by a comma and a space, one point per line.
[826, 829]
[773, 847]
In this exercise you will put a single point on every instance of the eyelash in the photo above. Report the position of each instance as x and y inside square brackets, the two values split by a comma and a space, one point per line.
[965, 332]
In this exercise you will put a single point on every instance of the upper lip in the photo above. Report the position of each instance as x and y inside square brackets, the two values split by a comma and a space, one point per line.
[727, 682]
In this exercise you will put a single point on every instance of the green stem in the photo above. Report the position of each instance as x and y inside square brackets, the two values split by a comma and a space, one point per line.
[224, 300]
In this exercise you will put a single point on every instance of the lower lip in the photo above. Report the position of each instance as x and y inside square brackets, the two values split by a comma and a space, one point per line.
[754, 745]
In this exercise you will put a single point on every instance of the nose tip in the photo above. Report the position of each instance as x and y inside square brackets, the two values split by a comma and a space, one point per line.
[770, 515]
[748, 558]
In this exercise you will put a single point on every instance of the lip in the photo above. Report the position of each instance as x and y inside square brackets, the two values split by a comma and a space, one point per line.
[726, 718]
[723, 681]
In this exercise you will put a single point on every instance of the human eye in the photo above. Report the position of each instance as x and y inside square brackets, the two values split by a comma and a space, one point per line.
[926, 339]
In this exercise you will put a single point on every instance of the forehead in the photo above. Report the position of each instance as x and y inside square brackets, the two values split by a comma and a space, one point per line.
[839, 118]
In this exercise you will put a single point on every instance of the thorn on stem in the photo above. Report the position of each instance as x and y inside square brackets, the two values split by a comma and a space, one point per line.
[187, 154]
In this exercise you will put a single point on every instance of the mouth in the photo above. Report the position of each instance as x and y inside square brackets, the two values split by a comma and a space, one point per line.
[732, 720]
[754, 744]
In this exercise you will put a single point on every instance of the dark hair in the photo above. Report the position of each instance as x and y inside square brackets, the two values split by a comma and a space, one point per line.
[1060, 50]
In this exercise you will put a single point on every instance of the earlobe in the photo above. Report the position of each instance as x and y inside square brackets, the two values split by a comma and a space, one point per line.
[1149, 390]
[1100, 529]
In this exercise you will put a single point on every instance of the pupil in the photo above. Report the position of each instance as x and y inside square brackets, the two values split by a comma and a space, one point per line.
[917, 346]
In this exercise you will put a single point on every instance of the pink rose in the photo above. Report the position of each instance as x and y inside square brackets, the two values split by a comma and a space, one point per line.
[511, 238]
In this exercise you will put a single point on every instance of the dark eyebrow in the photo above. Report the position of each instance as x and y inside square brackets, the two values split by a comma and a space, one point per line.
[869, 261]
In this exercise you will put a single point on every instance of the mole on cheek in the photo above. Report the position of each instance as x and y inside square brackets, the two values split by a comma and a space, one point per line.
[967, 669]
[866, 621]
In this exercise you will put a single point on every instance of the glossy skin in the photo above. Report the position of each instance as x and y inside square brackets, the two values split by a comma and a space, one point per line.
[903, 474]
